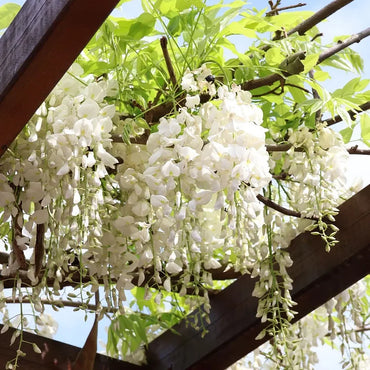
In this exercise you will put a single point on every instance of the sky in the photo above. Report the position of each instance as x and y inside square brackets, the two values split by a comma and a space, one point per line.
[352, 19]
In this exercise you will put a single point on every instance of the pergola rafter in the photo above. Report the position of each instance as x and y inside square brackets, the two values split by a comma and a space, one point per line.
[54, 355]
[36, 50]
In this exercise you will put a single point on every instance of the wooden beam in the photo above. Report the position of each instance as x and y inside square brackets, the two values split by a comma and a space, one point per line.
[317, 277]
[54, 355]
[36, 50]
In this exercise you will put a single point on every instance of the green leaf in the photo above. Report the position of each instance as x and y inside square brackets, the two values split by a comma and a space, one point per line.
[112, 341]
[166, 7]
[186, 4]
[143, 26]
[123, 26]
[135, 29]
[312, 105]
[356, 84]
[322, 75]
[289, 19]
[347, 60]
[174, 26]
[346, 134]
[7, 13]
[122, 2]
[355, 60]
[97, 68]
[298, 94]
[274, 56]
[238, 28]
[341, 110]
[244, 59]
[310, 61]
[141, 330]
[365, 128]
[257, 23]
[293, 63]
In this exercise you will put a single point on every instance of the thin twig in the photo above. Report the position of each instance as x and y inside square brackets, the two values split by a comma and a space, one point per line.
[156, 98]
[17, 232]
[259, 82]
[269, 148]
[281, 148]
[269, 80]
[357, 37]
[134, 104]
[273, 6]
[282, 85]
[285, 147]
[167, 59]
[39, 248]
[277, 207]
[298, 87]
[352, 113]
[272, 91]
[317, 36]
[61, 304]
[316, 95]
[272, 12]
[354, 330]
[281, 176]
[355, 150]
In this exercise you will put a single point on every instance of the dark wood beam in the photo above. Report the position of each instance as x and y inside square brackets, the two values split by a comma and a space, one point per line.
[317, 276]
[54, 355]
[36, 50]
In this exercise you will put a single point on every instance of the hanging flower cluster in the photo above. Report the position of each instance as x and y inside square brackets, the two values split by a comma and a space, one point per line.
[189, 174]
[180, 206]
[61, 159]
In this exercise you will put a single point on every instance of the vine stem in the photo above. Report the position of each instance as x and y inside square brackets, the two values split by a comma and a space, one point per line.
[62, 303]
[163, 42]
[319, 16]
[286, 211]
[352, 113]
[273, 11]
[355, 150]
[285, 147]
[270, 79]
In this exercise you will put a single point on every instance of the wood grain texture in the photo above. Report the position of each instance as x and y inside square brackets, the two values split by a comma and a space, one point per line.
[36, 50]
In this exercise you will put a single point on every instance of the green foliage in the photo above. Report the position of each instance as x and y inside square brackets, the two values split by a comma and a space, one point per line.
[7, 13]
[135, 29]
[347, 60]
[128, 332]
[365, 128]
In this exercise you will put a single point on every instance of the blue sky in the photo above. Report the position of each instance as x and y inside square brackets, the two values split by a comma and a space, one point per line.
[352, 19]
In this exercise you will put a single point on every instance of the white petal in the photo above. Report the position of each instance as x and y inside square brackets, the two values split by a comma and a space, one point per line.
[173, 268]
[41, 216]
[167, 284]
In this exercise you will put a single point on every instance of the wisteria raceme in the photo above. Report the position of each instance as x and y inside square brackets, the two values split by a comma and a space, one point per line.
[182, 204]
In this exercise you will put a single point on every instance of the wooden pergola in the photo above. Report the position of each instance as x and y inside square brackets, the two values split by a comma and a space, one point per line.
[36, 50]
